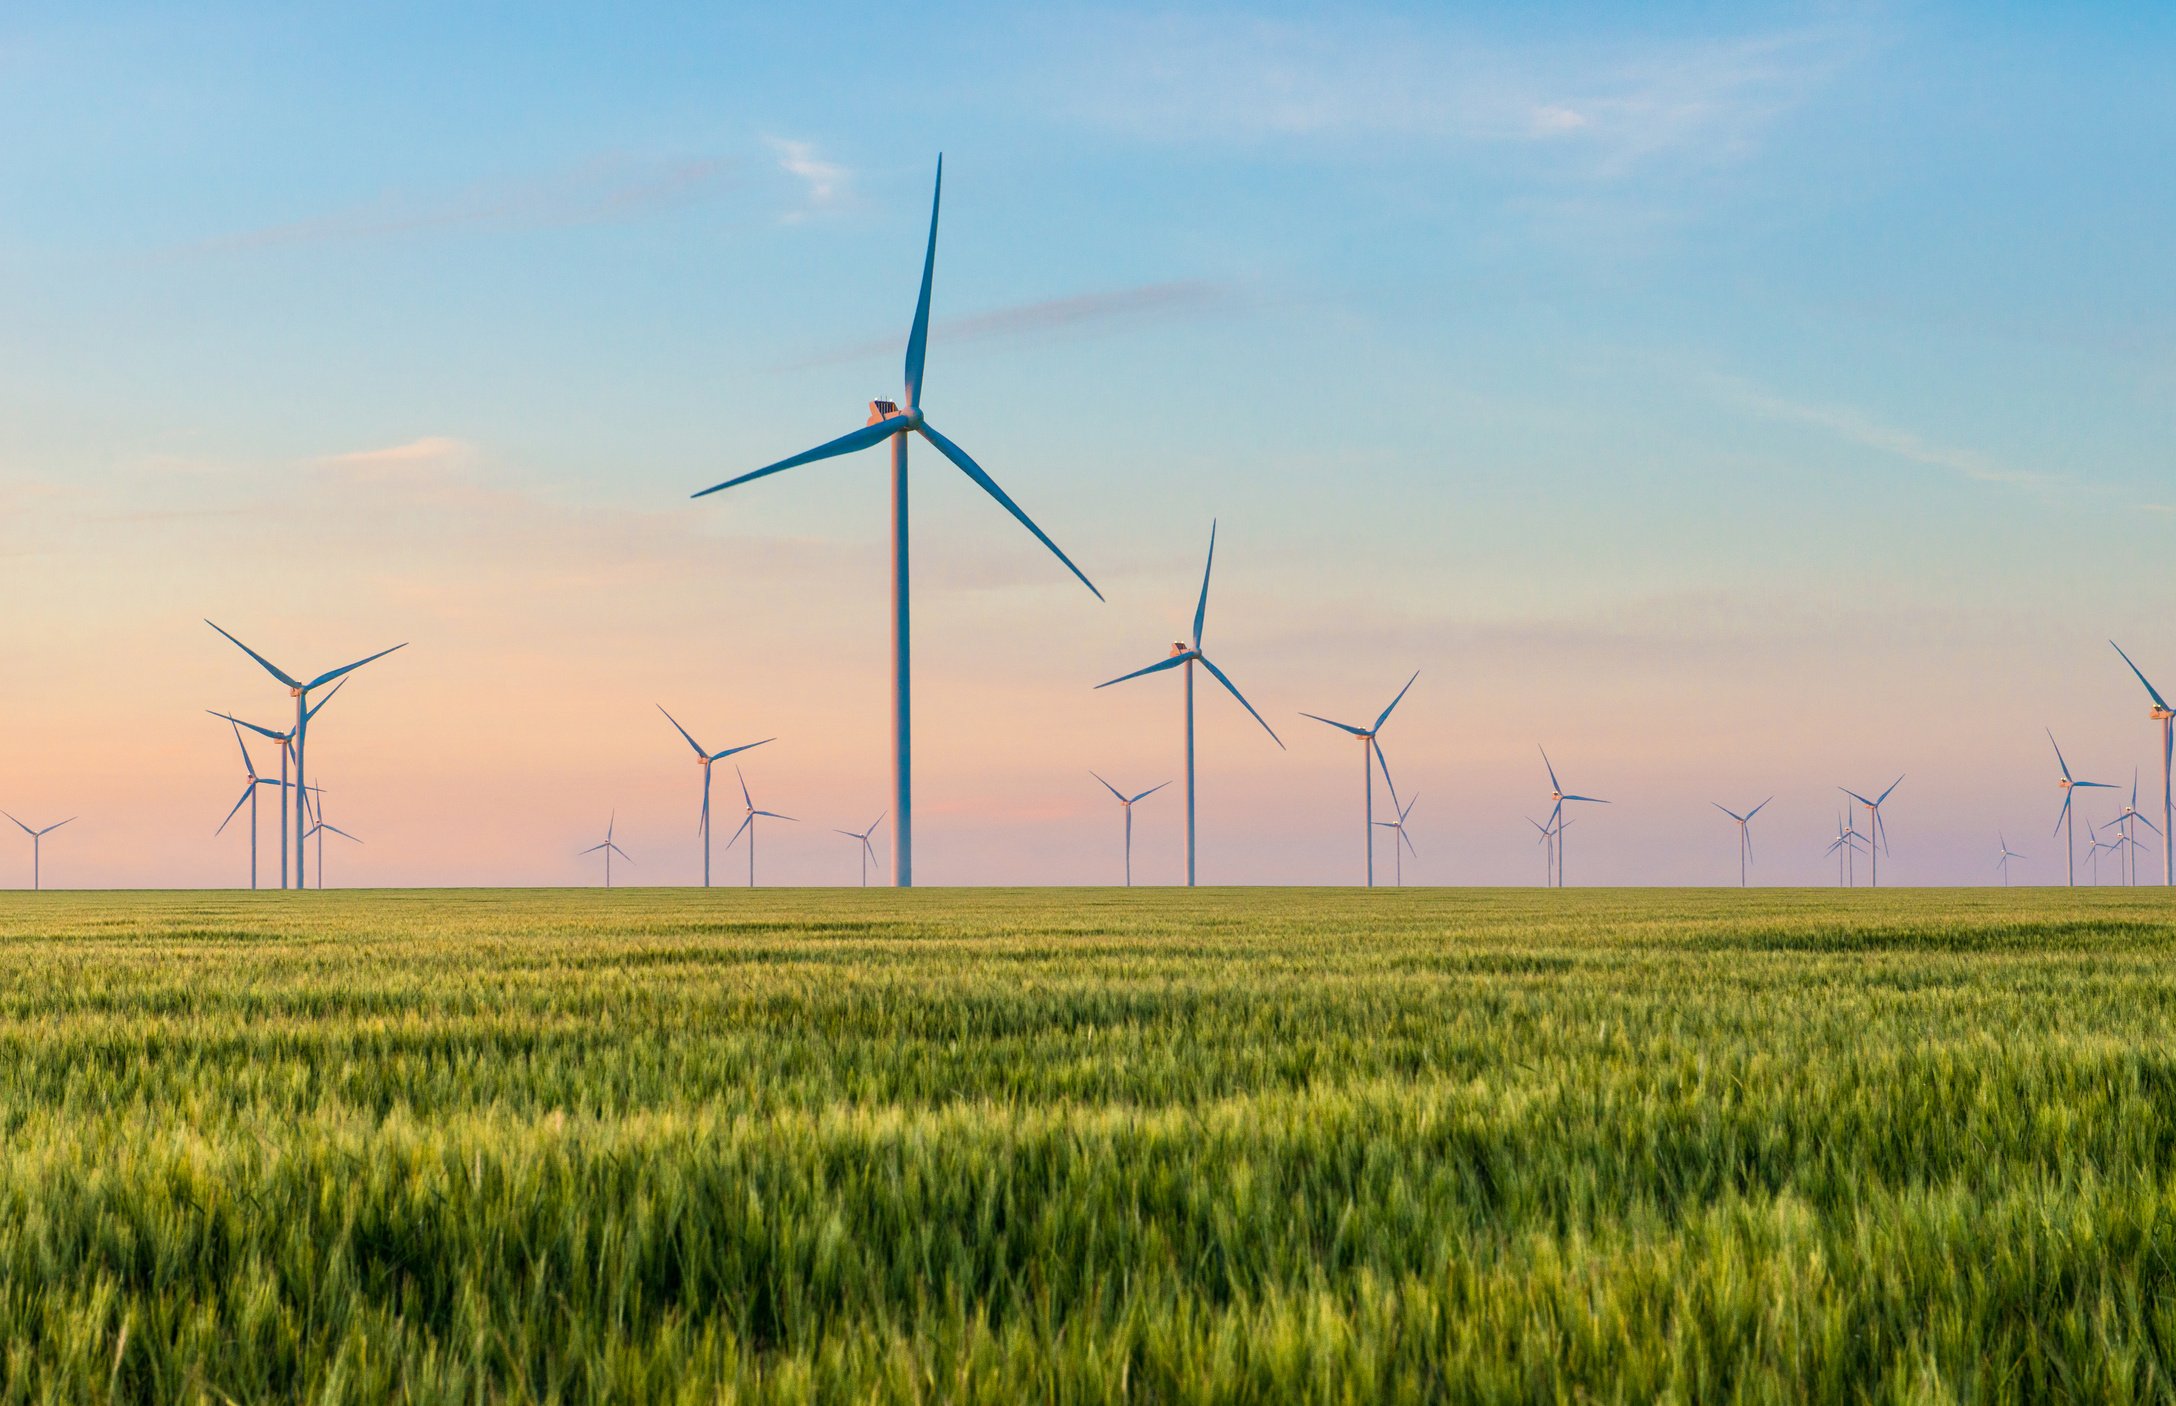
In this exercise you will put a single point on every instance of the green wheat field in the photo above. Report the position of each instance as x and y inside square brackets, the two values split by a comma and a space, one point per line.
[1079, 1146]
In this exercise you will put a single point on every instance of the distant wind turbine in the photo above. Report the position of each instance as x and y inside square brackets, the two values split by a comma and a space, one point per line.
[1877, 834]
[286, 741]
[2002, 860]
[1126, 803]
[1845, 847]
[2094, 845]
[888, 421]
[1548, 852]
[748, 825]
[868, 851]
[301, 692]
[250, 788]
[609, 849]
[2161, 713]
[704, 759]
[37, 842]
[1745, 833]
[1370, 748]
[1400, 841]
[318, 829]
[1558, 796]
[2123, 823]
[2063, 823]
[1188, 656]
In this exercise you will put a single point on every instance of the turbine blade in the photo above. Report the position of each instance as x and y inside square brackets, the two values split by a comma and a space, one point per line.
[591, 850]
[1355, 731]
[2060, 814]
[1758, 809]
[623, 854]
[261, 731]
[330, 675]
[1590, 800]
[1233, 689]
[1855, 795]
[2058, 753]
[736, 751]
[1149, 792]
[974, 471]
[1201, 607]
[746, 800]
[2151, 691]
[269, 667]
[918, 337]
[1384, 717]
[247, 792]
[1382, 764]
[746, 821]
[247, 765]
[1108, 786]
[1892, 786]
[1554, 785]
[844, 444]
[1721, 807]
[681, 730]
[774, 815]
[311, 711]
[338, 831]
[1171, 663]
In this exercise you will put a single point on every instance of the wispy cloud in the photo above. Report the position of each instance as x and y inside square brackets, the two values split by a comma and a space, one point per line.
[824, 184]
[1610, 107]
[432, 456]
[1177, 298]
[1857, 427]
[599, 191]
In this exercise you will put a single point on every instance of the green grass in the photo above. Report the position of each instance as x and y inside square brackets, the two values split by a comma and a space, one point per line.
[1085, 1146]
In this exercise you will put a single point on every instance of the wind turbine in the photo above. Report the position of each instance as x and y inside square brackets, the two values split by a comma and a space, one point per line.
[1126, 803]
[1846, 848]
[1877, 834]
[319, 830]
[609, 849]
[37, 841]
[2130, 813]
[704, 759]
[249, 795]
[748, 823]
[1370, 748]
[2094, 845]
[2161, 713]
[301, 692]
[868, 851]
[1745, 834]
[286, 741]
[1400, 838]
[2062, 818]
[2002, 861]
[888, 421]
[1548, 852]
[1188, 656]
[1558, 795]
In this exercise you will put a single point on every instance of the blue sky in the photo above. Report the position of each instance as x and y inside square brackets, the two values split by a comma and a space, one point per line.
[1736, 399]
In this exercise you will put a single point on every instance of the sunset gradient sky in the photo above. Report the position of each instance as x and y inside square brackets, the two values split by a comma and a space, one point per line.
[1736, 400]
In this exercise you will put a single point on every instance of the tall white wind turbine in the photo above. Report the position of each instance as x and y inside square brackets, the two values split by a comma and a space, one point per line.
[286, 741]
[1877, 834]
[1187, 656]
[37, 844]
[2002, 860]
[888, 422]
[250, 787]
[1745, 834]
[704, 759]
[2063, 822]
[1548, 851]
[748, 825]
[2133, 815]
[1125, 803]
[1846, 848]
[2161, 713]
[1370, 748]
[608, 848]
[1400, 841]
[301, 692]
[1557, 797]
[868, 850]
[318, 830]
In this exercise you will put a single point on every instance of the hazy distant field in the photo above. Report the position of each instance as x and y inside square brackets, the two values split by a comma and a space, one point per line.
[1078, 1146]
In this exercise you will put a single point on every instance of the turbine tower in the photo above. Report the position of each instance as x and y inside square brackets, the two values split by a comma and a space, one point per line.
[37, 843]
[301, 692]
[2063, 824]
[1877, 834]
[868, 851]
[609, 848]
[249, 795]
[1400, 838]
[1370, 748]
[1126, 803]
[2161, 713]
[1558, 796]
[748, 824]
[1188, 657]
[888, 421]
[704, 759]
[1745, 833]
[286, 741]
[2002, 860]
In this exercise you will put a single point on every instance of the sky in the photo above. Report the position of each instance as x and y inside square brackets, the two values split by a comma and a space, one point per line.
[1735, 400]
